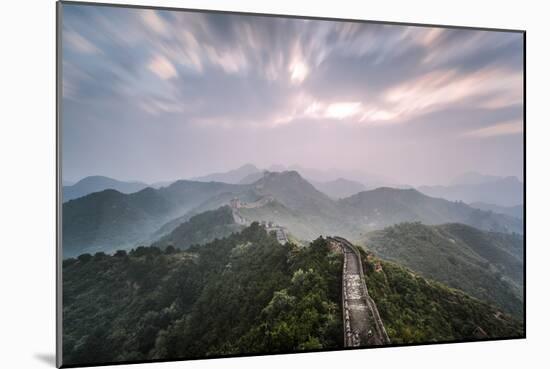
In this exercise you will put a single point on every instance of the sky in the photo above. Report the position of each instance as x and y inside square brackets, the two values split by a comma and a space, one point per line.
[159, 95]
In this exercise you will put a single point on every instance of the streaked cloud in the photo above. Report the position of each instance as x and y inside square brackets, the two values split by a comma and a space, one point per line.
[501, 129]
[154, 22]
[162, 67]
[191, 71]
[77, 42]
[491, 87]
[230, 61]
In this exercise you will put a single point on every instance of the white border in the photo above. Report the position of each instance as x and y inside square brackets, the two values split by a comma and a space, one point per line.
[27, 152]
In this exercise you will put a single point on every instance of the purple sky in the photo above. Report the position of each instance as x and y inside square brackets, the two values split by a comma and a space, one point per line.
[154, 95]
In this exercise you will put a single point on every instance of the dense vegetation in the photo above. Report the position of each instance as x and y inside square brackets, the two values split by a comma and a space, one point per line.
[201, 228]
[486, 265]
[247, 294]
[242, 294]
[417, 310]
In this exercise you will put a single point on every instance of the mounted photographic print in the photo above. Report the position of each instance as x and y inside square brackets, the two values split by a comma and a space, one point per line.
[246, 184]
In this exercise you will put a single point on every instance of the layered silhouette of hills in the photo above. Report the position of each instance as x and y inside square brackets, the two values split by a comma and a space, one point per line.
[232, 176]
[110, 219]
[92, 184]
[513, 211]
[474, 187]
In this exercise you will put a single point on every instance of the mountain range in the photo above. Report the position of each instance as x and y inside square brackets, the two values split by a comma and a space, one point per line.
[324, 181]
[106, 220]
[513, 211]
[189, 256]
[473, 187]
[233, 176]
[473, 178]
[93, 184]
[470, 187]
[330, 174]
[110, 219]
[382, 207]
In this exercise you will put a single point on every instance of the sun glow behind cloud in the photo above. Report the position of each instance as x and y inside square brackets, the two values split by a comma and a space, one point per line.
[298, 72]
[343, 110]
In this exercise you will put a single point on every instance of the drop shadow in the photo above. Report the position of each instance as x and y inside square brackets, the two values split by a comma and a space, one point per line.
[46, 358]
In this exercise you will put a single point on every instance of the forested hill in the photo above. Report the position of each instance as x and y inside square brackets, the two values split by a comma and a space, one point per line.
[416, 310]
[242, 294]
[245, 294]
[107, 220]
[201, 228]
[383, 207]
[486, 265]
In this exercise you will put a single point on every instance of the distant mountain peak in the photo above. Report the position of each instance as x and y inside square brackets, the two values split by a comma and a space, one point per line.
[99, 183]
[248, 166]
[284, 176]
[476, 178]
[102, 179]
[232, 176]
[291, 174]
[291, 189]
[109, 192]
[475, 187]
[392, 191]
[94, 178]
